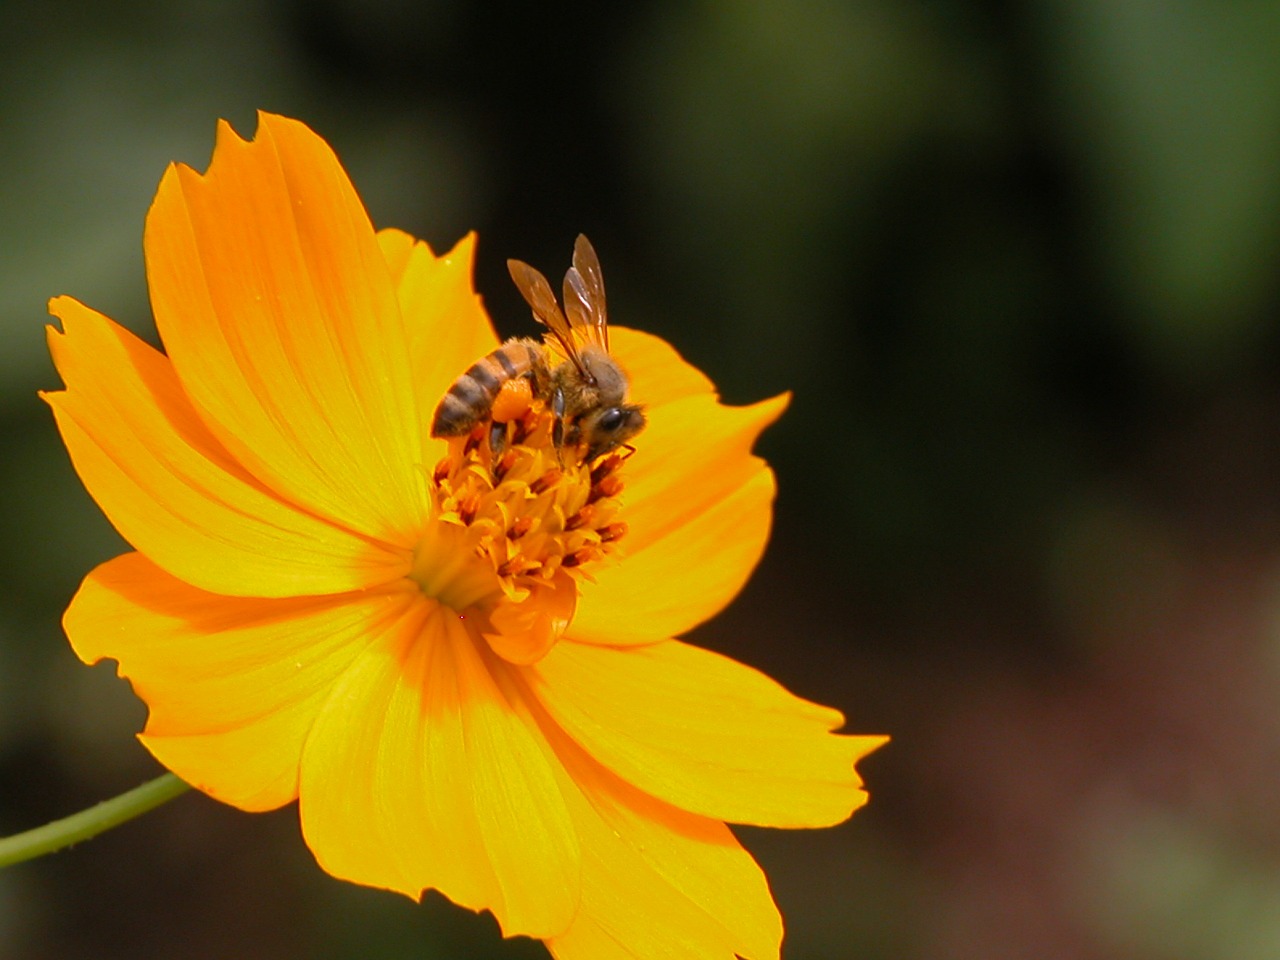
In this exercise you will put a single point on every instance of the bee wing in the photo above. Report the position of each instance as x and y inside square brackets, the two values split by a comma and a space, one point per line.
[577, 304]
[537, 292]
[584, 295]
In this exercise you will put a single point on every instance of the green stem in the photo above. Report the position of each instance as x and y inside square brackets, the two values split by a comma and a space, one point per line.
[89, 823]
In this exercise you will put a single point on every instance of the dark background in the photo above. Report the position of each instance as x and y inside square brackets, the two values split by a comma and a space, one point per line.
[1017, 263]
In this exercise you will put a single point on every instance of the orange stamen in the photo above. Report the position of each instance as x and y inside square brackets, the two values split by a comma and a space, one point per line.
[560, 510]
[547, 480]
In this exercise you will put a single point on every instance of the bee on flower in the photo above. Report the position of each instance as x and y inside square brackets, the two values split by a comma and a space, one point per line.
[586, 393]
[364, 580]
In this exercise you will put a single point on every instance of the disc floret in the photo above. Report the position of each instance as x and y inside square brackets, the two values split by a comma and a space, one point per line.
[533, 511]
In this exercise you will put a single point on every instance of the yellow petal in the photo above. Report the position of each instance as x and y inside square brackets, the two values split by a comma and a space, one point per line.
[698, 507]
[660, 882]
[658, 374]
[232, 685]
[420, 773]
[173, 491]
[682, 578]
[447, 324]
[693, 454]
[276, 305]
[704, 732]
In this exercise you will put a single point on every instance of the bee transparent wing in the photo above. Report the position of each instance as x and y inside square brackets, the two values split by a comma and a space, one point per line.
[577, 304]
[537, 292]
[584, 295]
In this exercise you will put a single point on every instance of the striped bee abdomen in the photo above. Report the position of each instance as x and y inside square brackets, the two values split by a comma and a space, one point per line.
[471, 397]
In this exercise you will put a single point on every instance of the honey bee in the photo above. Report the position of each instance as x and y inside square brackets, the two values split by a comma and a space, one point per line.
[586, 392]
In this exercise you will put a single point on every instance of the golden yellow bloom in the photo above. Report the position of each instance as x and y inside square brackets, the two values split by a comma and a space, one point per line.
[464, 676]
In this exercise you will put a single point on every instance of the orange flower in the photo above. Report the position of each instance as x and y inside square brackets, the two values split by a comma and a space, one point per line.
[463, 674]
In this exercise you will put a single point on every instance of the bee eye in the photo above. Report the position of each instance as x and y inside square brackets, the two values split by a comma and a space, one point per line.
[612, 419]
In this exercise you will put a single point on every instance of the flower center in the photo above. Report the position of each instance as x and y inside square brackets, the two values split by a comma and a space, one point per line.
[521, 523]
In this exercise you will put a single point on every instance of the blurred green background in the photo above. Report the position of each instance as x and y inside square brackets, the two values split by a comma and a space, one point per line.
[1017, 261]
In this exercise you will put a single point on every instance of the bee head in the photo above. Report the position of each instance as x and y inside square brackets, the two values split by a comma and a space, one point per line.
[597, 404]
[607, 427]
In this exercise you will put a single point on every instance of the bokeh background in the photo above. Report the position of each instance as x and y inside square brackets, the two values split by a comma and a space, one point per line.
[1018, 263]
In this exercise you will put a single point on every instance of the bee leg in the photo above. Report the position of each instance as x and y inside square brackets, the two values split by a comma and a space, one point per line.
[497, 439]
[557, 410]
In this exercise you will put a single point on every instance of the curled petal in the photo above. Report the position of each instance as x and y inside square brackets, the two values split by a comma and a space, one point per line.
[443, 784]
[233, 685]
[276, 305]
[704, 732]
[522, 633]
[174, 491]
